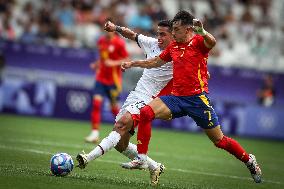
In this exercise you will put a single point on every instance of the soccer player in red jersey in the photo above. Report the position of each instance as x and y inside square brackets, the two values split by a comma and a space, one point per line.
[189, 54]
[108, 83]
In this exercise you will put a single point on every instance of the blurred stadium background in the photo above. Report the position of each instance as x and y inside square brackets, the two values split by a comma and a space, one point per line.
[46, 47]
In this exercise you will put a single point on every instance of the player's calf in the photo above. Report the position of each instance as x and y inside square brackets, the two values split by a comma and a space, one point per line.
[233, 147]
[123, 142]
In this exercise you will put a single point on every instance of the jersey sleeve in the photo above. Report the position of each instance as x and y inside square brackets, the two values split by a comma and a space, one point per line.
[165, 55]
[145, 42]
[201, 45]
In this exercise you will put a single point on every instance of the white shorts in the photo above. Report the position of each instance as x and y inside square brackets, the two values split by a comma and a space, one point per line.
[133, 103]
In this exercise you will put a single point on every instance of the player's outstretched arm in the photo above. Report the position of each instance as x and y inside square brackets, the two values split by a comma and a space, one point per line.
[149, 63]
[125, 32]
[209, 39]
[111, 63]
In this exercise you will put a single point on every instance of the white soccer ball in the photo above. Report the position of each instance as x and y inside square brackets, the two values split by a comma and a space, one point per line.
[61, 164]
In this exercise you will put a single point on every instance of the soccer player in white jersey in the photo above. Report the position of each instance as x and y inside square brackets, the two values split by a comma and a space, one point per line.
[154, 82]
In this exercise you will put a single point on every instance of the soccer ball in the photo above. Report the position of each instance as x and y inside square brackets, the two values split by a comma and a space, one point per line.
[61, 164]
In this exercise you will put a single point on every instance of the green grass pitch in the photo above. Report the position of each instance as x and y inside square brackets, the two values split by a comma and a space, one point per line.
[27, 144]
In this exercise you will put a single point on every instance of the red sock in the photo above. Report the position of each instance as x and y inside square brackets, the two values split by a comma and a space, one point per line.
[234, 148]
[136, 120]
[114, 110]
[96, 114]
[144, 129]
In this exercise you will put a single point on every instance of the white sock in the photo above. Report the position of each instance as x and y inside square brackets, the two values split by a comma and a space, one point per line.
[131, 153]
[249, 162]
[105, 145]
[152, 164]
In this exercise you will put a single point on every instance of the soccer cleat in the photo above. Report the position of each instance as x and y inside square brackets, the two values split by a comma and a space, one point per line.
[82, 160]
[254, 169]
[156, 173]
[93, 137]
[95, 141]
[136, 163]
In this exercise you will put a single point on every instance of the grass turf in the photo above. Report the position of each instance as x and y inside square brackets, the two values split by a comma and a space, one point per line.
[27, 144]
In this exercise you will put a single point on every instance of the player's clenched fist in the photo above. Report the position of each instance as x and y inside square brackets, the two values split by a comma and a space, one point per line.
[126, 65]
[198, 27]
[109, 26]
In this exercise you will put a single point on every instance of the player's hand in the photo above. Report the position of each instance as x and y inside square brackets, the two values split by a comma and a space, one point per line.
[109, 62]
[198, 27]
[109, 26]
[126, 65]
[208, 75]
[94, 66]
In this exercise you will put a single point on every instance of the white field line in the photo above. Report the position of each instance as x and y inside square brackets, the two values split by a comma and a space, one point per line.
[117, 162]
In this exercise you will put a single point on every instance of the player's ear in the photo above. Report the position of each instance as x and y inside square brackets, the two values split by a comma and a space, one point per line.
[188, 29]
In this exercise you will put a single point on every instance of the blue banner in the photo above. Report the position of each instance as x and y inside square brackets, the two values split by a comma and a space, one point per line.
[57, 82]
[262, 122]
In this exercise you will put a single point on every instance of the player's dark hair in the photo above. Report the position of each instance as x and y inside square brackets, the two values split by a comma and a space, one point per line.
[185, 17]
[166, 23]
[109, 19]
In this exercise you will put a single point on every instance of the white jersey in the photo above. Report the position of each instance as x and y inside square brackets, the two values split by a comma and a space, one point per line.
[152, 80]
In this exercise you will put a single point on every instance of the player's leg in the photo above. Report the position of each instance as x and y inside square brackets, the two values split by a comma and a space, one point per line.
[109, 142]
[230, 145]
[234, 148]
[147, 114]
[93, 137]
[155, 109]
[125, 147]
[123, 124]
[130, 150]
[155, 169]
[100, 90]
[109, 91]
[118, 138]
[207, 119]
[113, 95]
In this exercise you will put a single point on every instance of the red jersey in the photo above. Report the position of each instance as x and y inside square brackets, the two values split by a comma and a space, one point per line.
[189, 66]
[113, 49]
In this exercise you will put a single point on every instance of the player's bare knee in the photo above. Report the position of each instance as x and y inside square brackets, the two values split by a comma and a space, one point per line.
[125, 122]
[121, 127]
[221, 142]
